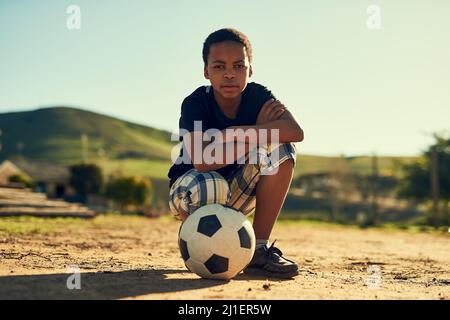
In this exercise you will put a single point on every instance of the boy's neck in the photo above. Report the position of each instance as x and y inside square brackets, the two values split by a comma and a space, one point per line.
[229, 107]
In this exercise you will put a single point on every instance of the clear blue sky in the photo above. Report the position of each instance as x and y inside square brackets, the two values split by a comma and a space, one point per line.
[354, 90]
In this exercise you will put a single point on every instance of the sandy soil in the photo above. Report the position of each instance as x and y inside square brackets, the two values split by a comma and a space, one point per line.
[138, 258]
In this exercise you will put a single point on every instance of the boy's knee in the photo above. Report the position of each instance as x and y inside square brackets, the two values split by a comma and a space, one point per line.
[199, 189]
[209, 188]
[288, 164]
[276, 156]
[289, 151]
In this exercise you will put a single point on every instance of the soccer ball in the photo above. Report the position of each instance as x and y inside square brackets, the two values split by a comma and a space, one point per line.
[216, 242]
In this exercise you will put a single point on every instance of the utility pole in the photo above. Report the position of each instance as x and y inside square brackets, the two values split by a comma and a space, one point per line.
[374, 189]
[20, 146]
[435, 186]
[84, 147]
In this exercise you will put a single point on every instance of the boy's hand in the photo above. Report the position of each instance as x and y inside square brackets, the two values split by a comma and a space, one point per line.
[270, 111]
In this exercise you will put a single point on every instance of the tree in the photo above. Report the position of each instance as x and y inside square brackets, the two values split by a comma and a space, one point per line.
[338, 188]
[128, 191]
[86, 179]
[415, 184]
[417, 181]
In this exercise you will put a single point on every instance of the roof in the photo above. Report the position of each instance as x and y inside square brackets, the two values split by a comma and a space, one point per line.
[8, 169]
[41, 171]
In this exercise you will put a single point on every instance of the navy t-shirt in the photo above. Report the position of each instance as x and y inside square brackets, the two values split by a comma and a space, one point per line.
[201, 105]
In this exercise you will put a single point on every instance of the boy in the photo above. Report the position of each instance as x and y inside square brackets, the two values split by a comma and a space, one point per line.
[231, 103]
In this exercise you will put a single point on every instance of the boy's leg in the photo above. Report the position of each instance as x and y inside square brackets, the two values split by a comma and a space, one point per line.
[182, 215]
[196, 189]
[271, 192]
[252, 187]
[262, 188]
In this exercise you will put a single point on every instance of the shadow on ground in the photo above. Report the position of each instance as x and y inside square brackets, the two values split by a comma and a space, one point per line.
[99, 285]
[106, 285]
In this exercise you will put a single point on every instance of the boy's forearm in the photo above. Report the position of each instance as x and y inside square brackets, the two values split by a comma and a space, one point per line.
[234, 139]
[230, 152]
[288, 131]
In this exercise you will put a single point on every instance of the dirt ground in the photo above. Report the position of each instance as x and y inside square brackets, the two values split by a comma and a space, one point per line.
[138, 258]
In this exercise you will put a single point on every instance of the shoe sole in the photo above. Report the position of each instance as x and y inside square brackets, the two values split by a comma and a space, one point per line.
[270, 274]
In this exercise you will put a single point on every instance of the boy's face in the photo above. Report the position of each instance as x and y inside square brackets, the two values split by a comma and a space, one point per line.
[228, 68]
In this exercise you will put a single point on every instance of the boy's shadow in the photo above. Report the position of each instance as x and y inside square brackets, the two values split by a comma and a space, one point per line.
[99, 285]
[105, 285]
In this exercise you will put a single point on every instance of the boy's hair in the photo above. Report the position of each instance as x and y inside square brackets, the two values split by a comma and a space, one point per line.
[227, 34]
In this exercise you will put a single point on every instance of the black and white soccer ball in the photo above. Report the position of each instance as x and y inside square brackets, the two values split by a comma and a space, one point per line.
[216, 242]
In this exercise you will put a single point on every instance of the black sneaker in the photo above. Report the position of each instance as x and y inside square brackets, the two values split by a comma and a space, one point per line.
[269, 262]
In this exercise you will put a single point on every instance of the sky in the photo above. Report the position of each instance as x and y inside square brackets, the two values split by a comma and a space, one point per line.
[353, 89]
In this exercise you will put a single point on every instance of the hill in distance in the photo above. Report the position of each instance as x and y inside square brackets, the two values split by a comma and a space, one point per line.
[55, 134]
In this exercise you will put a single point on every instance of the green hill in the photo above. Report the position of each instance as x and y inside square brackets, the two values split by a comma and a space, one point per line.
[54, 134]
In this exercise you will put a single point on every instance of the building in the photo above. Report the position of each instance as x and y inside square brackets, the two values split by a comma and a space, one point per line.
[7, 170]
[50, 178]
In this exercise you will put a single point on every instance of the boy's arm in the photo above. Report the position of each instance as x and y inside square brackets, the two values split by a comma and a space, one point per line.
[287, 127]
[273, 115]
[228, 154]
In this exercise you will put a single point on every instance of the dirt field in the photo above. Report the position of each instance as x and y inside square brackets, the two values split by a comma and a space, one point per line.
[138, 258]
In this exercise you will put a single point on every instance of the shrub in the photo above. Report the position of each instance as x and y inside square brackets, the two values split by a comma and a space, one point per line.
[128, 191]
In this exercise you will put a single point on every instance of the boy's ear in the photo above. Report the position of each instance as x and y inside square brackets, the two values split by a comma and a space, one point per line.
[205, 72]
[250, 72]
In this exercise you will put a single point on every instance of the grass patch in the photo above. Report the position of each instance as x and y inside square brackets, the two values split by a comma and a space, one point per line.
[139, 167]
[314, 215]
[414, 228]
[26, 225]
[320, 219]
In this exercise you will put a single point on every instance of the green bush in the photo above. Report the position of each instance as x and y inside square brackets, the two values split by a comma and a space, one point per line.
[128, 191]
[19, 178]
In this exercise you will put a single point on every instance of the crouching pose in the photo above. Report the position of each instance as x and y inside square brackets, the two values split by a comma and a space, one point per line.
[253, 150]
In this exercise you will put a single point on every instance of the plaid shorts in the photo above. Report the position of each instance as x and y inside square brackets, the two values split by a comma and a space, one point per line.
[195, 189]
